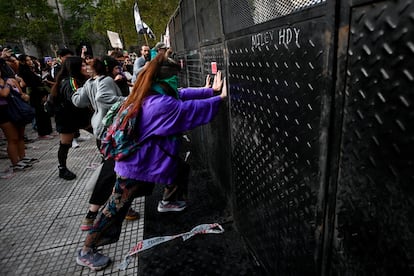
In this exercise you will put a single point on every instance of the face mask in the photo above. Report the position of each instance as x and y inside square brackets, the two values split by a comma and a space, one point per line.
[172, 82]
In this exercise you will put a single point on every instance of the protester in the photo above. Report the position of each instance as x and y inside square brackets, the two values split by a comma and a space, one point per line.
[159, 48]
[14, 133]
[69, 118]
[62, 54]
[163, 113]
[118, 73]
[38, 96]
[140, 62]
[101, 93]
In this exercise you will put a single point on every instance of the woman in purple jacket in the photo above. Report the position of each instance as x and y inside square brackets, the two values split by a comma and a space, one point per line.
[164, 112]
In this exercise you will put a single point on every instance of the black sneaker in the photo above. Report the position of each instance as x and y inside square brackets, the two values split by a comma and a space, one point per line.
[66, 174]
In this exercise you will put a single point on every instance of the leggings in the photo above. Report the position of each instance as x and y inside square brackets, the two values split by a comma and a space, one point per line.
[105, 182]
[108, 224]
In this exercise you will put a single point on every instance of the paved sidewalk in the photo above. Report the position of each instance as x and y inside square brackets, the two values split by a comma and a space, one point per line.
[40, 214]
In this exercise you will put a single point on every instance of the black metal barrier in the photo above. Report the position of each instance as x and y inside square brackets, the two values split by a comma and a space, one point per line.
[314, 151]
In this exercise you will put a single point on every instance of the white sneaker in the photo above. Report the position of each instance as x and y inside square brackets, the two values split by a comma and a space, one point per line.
[75, 143]
[171, 206]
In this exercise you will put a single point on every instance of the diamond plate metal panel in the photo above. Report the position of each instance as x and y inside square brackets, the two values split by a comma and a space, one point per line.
[208, 20]
[241, 14]
[193, 68]
[375, 188]
[276, 82]
[189, 25]
[177, 39]
[210, 138]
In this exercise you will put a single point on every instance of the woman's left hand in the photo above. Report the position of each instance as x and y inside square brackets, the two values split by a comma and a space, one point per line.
[217, 82]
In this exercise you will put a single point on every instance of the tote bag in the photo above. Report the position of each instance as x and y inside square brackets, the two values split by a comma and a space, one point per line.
[20, 112]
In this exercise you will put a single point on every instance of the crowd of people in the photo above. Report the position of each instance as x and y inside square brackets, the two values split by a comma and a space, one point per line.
[79, 91]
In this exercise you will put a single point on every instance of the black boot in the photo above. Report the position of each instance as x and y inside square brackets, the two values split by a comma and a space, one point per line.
[66, 174]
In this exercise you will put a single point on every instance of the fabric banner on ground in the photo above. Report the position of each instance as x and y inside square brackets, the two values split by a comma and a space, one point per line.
[214, 228]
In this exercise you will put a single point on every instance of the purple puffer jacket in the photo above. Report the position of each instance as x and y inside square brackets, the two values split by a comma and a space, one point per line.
[160, 119]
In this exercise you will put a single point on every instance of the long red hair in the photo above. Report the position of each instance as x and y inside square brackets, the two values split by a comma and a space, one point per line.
[142, 86]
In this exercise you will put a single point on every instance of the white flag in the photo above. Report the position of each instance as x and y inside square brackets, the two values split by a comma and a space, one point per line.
[148, 31]
[138, 22]
[140, 25]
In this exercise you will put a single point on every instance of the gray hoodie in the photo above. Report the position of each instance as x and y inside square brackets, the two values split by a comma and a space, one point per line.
[101, 93]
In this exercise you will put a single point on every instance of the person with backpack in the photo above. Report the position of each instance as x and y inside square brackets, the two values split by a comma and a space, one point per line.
[100, 92]
[161, 113]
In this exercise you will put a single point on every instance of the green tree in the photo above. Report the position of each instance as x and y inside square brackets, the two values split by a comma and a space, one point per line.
[70, 22]
[32, 21]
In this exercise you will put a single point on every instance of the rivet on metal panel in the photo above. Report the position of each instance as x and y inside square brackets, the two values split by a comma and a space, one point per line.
[311, 43]
[379, 94]
[404, 101]
[364, 72]
[381, 12]
[369, 26]
[408, 75]
[410, 46]
[396, 148]
[366, 49]
[390, 23]
[401, 125]
[357, 134]
[384, 74]
[375, 140]
[311, 65]
[388, 49]
[371, 159]
[362, 94]
[378, 118]
[359, 17]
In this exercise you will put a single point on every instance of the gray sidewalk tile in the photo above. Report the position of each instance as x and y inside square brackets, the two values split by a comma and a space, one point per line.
[40, 215]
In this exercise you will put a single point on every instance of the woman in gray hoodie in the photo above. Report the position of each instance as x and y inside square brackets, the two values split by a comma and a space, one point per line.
[100, 92]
